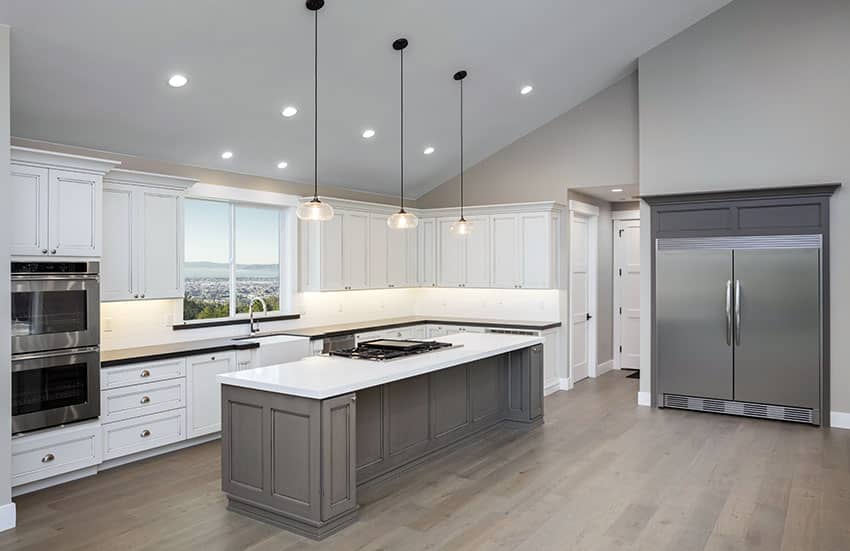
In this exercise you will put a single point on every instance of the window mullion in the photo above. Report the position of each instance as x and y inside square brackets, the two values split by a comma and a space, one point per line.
[232, 251]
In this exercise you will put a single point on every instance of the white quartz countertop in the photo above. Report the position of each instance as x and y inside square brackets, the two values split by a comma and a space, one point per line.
[322, 377]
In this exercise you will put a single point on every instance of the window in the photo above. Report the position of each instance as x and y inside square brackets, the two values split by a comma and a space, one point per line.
[232, 254]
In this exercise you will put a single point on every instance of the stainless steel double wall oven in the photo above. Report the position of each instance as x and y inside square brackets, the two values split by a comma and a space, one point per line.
[55, 343]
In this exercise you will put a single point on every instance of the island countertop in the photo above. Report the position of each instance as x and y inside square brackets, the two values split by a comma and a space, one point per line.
[321, 377]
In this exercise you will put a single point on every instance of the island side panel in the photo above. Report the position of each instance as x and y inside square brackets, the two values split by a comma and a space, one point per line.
[339, 422]
[525, 387]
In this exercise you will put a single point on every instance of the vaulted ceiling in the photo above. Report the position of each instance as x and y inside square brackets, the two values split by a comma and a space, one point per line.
[94, 73]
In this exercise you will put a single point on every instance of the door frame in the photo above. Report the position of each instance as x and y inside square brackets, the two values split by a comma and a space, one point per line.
[618, 216]
[579, 209]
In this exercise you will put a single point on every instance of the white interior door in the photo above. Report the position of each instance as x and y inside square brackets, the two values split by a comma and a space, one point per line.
[627, 293]
[580, 299]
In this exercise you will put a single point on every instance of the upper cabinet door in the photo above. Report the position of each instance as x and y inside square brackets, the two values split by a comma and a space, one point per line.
[536, 257]
[478, 252]
[356, 249]
[505, 251]
[412, 257]
[117, 277]
[451, 269]
[160, 237]
[29, 215]
[377, 252]
[74, 207]
[397, 257]
[331, 255]
[427, 253]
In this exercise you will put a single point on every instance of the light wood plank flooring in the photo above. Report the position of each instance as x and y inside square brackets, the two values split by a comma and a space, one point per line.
[601, 474]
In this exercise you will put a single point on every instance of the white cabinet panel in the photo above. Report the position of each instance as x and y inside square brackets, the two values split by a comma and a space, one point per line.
[378, 252]
[161, 246]
[536, 251]
[505, 251]
[142, 372]
[203, 414]
[331, 254]
[133, 401]
[117, 270]
[143, 433]
[478, 253]
[356, 249]
[397, 257]
[29, 210]
[55, 451]
[74, 213]
[451, 269]
[427, 252]
[412, 256]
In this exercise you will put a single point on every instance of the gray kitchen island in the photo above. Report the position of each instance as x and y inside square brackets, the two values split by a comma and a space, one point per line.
[298, 439]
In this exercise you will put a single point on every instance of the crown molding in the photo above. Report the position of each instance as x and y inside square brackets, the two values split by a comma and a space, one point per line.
[149, 179]
[63, 161]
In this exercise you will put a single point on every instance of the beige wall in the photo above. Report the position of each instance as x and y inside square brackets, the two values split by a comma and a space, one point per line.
[210, 176]
[594, 144]
[756, 95]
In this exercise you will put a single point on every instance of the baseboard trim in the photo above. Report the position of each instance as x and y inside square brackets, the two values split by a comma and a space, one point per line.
[8, 516]
[644, 399]
[566, 383]
[839, 420]
[168, 448]
[604, 367]
[37, 485]
[551, 387]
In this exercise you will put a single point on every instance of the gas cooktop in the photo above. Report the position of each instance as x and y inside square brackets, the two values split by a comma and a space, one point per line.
[390, 349]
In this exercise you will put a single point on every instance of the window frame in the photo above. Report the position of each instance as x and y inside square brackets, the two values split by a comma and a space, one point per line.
[287, 242]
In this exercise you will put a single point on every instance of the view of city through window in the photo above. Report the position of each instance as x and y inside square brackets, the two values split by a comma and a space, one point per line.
[231, 251]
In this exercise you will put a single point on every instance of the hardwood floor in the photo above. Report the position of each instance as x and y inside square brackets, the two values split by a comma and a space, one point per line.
[602, 473]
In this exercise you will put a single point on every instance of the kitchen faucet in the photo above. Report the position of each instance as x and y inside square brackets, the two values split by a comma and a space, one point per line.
[252, 326]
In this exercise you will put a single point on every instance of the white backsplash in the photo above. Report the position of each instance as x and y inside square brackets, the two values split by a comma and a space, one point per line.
[149, 322]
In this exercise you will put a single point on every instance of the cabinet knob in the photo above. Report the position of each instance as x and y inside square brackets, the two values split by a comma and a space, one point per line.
[145, 373]
[43, 251]
[135, 296]
[143, 295]
[145, 400]
[212, 358]
[48, 458]
[53, 251]
[145, 433]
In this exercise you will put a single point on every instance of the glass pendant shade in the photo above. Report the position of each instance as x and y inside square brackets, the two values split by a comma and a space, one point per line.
[314, 210]
[461, 228]
[402, 220]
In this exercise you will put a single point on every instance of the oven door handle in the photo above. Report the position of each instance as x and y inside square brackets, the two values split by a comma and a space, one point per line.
[55, 277]
[54, 353]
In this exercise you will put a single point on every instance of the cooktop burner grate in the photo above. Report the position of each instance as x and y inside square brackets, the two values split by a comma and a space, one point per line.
[389, 349]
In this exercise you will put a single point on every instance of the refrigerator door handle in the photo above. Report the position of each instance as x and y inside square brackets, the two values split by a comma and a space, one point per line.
[738, 312]
[729, 312]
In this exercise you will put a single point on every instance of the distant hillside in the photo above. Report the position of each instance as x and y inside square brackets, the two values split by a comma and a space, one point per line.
[201, 270]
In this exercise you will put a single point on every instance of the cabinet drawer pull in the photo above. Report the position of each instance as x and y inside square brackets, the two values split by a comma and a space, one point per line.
[145, 433]
[145, 400]
[212, 358]
[145, 373]
[53, 251]
[43, 251]
[48, 458]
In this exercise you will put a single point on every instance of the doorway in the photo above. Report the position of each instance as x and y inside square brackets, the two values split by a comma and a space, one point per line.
[584, 266]
[626, 352]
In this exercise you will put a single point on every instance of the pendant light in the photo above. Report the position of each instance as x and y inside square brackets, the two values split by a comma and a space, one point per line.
[462, 227]
[402, 220]
[314, 209]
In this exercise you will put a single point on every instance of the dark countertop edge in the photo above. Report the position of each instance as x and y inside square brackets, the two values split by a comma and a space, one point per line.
[202, 348]
[237, 321]
[368, 326]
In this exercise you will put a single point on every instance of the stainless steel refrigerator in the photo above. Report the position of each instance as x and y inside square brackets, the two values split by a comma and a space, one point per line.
[738, 325]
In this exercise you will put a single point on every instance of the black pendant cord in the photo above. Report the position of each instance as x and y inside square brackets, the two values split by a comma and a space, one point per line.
[461, 149]
[316, 107]
[401, 88]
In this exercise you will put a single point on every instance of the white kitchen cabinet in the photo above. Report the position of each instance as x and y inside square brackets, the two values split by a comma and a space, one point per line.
[397, 241]
[56, 203]
[477, 259]
[143, 236]
[143, 433]
[427, 252]
[378, 259]
[355, 251]
[464, 261]
[55, 451]
[335, 253]
[505, 255]
[203, 411]
[331, 276]
[523, 254]
[451, 269]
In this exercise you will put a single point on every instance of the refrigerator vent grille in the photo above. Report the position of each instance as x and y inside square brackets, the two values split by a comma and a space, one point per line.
[812, 241]
[747, 409]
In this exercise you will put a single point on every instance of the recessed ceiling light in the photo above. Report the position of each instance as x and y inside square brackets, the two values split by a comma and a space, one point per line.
[282, 164]
[525, 90]
[289, 111]
[368, 133]
[177, 81]
[227, 155]
[428, 150]
[617, 190]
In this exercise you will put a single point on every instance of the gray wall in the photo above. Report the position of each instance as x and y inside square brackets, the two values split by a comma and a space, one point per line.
[5, 291]
[756, 95]
[594, 144]
[210, 176]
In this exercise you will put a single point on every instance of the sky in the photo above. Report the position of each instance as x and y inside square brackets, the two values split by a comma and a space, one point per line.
[207, 230]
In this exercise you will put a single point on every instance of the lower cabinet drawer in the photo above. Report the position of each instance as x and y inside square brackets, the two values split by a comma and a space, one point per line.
[142, 372]
[55, 451]
[133, 401]
[143, 433]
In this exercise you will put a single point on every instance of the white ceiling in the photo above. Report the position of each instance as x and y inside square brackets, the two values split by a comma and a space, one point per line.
[606, 193]
[93, 73]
